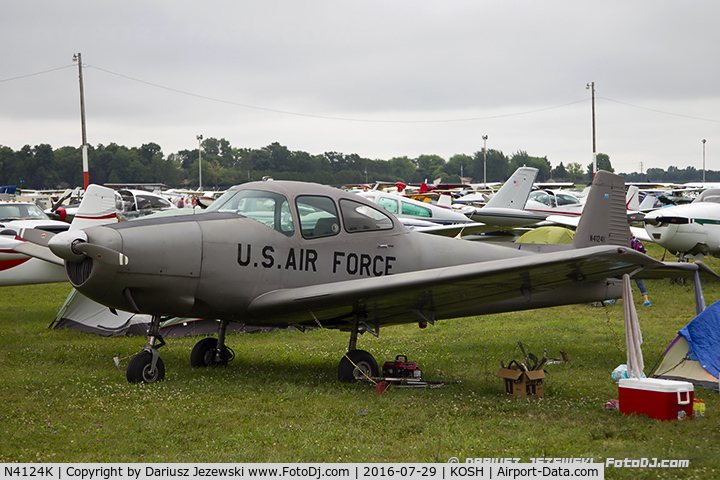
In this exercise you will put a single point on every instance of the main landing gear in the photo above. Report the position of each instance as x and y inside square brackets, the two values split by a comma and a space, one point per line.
[148, 367]
[212, 352]
[357, 365]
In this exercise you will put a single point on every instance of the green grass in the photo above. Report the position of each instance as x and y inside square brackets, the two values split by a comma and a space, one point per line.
[63, 400]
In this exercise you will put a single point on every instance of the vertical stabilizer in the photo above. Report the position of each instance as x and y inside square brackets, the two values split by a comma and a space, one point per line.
[97, 208]
[604, 218]
[515, 192]
[632, 199]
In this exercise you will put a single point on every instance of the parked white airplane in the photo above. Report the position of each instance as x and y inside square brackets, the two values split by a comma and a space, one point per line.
[554, 202]
[19, 264]
[689, 229]
[506, 209]
[414, 213]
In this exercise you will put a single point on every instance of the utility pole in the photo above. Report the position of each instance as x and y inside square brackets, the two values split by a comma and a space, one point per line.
[703, 141]
[591, 86]
[484, 137]
[199, 139]
[86, 176]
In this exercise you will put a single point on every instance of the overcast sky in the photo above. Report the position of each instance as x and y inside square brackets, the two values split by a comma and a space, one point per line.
[377, 78]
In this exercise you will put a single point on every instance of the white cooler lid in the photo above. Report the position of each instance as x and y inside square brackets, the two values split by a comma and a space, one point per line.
[655, 384]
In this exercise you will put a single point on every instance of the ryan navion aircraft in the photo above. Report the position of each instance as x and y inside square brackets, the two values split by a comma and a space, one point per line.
[281, 253]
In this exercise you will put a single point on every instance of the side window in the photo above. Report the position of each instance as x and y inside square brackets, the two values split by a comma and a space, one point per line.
[318, 216]
[541, 197]
[359, 217]
[270, 209]
[563, 199]
[143, 202]
[159, 202]
[415, 210]
[389, 204]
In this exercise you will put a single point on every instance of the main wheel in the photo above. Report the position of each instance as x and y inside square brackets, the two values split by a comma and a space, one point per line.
[204, 354]
[366, 366]
[140, 369]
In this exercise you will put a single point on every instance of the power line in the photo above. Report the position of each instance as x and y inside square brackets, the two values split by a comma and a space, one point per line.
[34, 74]
[660, 111]
[349, 119]
[326, 117]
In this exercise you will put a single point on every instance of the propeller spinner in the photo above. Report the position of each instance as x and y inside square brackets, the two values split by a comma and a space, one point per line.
[73, 246]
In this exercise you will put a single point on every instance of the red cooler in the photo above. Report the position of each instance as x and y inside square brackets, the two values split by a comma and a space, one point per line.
[656, 398]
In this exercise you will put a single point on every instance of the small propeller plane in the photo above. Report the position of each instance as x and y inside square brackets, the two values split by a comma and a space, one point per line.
[687, 229]
[280, 253]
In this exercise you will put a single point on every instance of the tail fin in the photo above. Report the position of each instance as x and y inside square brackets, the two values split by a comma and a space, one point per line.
[514, 193]
[604, 218]
[632, 199]
[648, 203]
[97, 208]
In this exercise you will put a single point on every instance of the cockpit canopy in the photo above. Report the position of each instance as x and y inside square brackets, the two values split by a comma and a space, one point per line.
[21, 211]
[553, 198]
[711, 195]
[315, 215]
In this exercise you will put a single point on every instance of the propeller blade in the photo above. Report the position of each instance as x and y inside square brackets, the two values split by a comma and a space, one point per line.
[37, 251]
[102, 254]
[36, 236]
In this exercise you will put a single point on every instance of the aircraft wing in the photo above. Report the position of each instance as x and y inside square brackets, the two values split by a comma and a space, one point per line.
[641, 234]
[565, 220]
[454, 291]
[463, 229]
[677, 269]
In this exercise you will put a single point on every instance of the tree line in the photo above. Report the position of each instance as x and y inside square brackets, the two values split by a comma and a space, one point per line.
[42, 167]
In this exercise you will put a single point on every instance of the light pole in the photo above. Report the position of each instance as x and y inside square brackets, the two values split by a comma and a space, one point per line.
[484, 137]
[703, 142]
[591, 86]
[199, 139]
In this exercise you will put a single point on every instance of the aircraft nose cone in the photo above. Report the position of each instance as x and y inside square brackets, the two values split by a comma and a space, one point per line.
[63, 245]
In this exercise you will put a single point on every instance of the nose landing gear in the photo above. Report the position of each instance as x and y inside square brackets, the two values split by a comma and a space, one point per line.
[147, 366]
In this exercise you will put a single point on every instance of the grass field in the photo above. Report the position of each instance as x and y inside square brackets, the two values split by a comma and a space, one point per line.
[62, 399]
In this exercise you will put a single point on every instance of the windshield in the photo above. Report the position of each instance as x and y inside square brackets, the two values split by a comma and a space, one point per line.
[21, 211]
[270, 209]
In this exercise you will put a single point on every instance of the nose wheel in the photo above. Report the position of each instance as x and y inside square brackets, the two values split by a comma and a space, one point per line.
[147, 366]
[142, 369]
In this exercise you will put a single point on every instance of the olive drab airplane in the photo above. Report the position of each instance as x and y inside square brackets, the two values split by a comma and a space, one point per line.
[281, 253]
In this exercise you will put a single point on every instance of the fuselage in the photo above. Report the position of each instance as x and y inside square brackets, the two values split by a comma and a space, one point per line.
[692, 228]
[257, 238]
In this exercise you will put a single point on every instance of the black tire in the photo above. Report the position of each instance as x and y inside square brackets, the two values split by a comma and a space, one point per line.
[203, 352]
[365, 363]
[139, 369]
